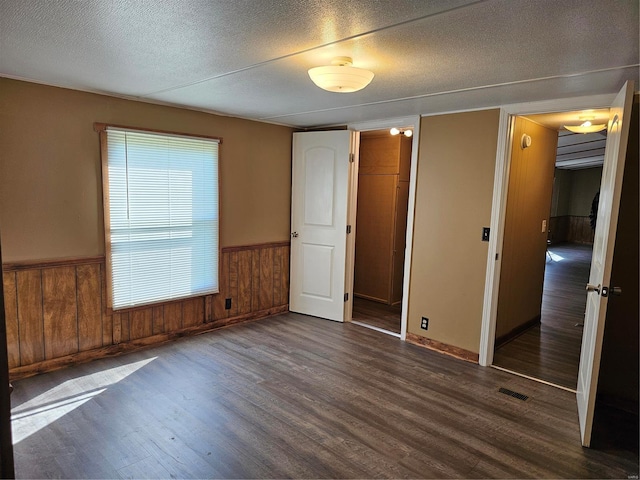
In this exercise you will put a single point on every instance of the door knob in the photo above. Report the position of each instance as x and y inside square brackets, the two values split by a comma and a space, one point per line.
[294, 234]
[593, 288]
[617, 291]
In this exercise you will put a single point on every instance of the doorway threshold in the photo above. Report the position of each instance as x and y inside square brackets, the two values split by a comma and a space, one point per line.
[377, 329]
[567, 389]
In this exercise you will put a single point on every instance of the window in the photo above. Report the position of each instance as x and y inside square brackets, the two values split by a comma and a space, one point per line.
[161, 216]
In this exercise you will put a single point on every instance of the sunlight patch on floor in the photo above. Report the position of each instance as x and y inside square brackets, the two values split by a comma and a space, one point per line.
[555, 257]
[35, 414]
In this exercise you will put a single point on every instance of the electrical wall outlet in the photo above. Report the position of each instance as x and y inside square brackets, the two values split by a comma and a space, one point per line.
[424, 324]
[227, 304]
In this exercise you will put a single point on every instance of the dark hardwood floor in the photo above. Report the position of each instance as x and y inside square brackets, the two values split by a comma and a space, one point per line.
[551, 350]
[297, 397]
[386, 317]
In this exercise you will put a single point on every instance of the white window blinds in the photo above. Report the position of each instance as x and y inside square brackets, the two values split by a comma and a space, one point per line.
[162, 225]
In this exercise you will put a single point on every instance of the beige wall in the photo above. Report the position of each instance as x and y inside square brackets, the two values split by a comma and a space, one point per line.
[574, 191]
[585, 184]
[50, 181]
[456, 165]
[524, 243]
[561, 199]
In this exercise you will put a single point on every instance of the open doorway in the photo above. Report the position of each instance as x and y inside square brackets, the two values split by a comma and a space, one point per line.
[548, 236]
[381, 221]
[381, 226]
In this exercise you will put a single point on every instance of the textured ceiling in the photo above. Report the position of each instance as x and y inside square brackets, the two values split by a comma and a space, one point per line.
[250, 58]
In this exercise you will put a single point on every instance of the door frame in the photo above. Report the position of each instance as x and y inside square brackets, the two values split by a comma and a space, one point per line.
[499, 202]
[412, 122]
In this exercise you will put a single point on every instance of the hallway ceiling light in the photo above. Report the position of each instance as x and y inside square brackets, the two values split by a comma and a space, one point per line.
[586, 127]
[396, 131]
[341, 76]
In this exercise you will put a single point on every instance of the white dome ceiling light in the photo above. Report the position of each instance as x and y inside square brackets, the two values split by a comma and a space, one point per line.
[341, 76]
[586, 127]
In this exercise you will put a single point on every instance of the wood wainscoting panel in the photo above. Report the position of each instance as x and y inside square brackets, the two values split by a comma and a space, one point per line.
[60, 307]
[266, 278]
[57, 310]
[90, 329]
[284, 277]
[192, 312]
[107, 318]
[173, 316]
[11, 318]
[125, 326]
[30, 325]
[158, 320]
[219, 310]
[255, 280]
[244, 282]
[117, 329]
[141, 323]
[233, 283]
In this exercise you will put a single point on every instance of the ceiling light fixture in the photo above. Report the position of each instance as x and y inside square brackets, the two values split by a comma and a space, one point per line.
[396, 131]
[586, 127]
[341, 76]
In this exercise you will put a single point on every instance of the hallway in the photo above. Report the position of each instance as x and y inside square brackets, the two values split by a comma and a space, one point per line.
[551, 351]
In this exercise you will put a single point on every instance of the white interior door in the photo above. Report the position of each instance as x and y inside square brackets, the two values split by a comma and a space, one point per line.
[319, 202]
[604, 240]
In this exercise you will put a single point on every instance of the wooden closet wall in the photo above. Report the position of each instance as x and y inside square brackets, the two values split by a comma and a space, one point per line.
[381, 221]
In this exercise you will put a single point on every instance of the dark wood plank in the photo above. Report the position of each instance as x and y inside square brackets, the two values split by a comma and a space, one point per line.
[219, 310]
[125, 326]
[284, 299]
[141, 323]
[117, 328]
[376, 314]
[192, 312]
[107, 319]
[255, 280]
[173, 316]
[299, 397]
[266, 278]
[277, 275]
[233, 283]
[244, 282]
[89, 294]
[158, 320]
[11, 318]
[30, 321]
[60, 311]
[208, 308]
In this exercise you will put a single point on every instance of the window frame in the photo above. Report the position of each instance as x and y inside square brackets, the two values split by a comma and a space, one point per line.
[101, 129]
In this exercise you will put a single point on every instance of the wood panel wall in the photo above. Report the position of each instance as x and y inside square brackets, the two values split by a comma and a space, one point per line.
[56, 312]
[570, 228]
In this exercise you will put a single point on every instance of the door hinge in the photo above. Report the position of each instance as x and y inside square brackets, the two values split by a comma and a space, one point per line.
[346, 297]
[348, 229]
[352, 158]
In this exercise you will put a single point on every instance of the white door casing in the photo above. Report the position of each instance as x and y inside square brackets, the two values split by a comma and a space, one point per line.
[319, 200]
[412, 122]
[499, 204]
[603, 245]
